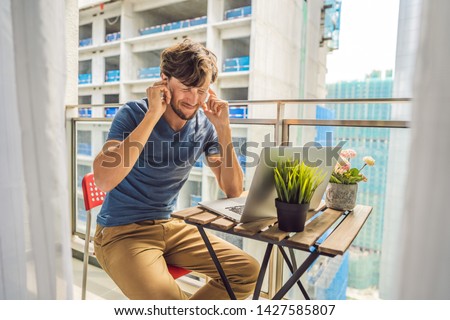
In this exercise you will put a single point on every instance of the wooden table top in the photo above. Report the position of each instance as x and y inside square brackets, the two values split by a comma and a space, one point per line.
[329, 231]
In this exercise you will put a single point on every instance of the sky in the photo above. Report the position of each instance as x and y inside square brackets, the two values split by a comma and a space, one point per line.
[367, 40]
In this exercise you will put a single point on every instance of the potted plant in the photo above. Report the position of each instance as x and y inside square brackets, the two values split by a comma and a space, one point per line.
[343, 185]
[295, 184]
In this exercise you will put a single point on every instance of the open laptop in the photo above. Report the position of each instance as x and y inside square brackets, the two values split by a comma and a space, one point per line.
[260, 202]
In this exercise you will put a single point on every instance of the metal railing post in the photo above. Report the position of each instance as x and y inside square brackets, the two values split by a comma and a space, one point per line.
[279, 124]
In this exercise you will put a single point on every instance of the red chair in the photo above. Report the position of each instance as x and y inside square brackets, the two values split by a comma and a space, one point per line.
[94, 197]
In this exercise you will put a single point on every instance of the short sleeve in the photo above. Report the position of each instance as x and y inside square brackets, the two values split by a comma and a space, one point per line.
[212, 146]
[125, 121]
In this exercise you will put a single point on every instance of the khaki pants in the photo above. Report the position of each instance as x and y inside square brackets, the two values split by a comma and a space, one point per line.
[136, 255]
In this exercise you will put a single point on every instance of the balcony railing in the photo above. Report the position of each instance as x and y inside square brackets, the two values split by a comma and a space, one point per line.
[376, 127]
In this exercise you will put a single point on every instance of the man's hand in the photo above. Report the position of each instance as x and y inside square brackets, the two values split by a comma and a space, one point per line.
[158, 98]
[216, 110]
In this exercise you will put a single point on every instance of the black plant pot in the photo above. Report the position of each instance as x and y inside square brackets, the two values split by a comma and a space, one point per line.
[291, 216]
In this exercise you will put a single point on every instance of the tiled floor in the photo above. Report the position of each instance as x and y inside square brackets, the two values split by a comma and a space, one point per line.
[99, 285]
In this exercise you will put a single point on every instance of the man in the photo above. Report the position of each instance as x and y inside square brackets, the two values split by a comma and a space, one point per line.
[150, 150]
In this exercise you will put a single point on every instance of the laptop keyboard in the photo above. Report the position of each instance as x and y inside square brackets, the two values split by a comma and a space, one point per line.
[236, 209]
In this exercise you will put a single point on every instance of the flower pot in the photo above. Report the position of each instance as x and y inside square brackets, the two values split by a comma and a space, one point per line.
[291, 216]
[341, 196]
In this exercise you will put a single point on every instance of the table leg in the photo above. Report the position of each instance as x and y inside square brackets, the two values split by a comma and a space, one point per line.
[262, 271]
[216, 262]
[294, 261]
[296, 275]
[293, 267]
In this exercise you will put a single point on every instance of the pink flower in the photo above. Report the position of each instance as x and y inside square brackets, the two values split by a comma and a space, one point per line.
[343, 171]
[342, 166]
[348, 153]
[343, 161]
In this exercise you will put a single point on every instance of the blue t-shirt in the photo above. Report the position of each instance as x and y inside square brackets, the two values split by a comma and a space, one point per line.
[151, 188]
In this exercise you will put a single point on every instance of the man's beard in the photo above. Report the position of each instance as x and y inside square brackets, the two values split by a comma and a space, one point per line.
[180, 113]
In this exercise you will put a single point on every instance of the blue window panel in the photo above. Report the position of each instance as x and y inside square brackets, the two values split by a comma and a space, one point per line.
[112, 37]
[150, 30]
[110, 112]
[84, 149]
[238, 112]
[85, 42]
[176, 25]
[238, 13]
[85, 112]
[242, 161]
[84, 78]
[195, 199]
[112, 75]
[199, 162]
[237, 64]
[149, 73]
[185, 24]
[198, 21]
[247, 11]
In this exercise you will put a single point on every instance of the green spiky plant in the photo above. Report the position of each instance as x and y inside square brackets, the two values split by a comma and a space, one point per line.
[296, 182]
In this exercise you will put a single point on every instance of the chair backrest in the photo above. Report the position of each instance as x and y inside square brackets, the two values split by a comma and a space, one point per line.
[92, 195]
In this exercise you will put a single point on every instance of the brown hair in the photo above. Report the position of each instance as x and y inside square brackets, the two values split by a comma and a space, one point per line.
[190, 62]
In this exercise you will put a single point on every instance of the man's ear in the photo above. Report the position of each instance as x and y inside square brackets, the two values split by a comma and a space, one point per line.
[164, 77]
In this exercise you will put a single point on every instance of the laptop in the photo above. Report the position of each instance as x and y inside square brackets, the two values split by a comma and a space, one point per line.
[260, 201]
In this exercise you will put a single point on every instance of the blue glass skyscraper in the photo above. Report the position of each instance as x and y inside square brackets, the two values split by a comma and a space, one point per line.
[366, 249]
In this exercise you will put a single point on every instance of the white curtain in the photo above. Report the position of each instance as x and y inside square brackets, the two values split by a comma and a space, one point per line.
[35, 254]
[424, 263]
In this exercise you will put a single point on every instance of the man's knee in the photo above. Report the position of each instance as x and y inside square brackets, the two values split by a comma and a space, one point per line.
[253, 268]
[248, 270]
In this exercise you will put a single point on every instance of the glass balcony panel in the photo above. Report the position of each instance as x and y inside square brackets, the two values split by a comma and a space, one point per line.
[358, 274]
[90, 135]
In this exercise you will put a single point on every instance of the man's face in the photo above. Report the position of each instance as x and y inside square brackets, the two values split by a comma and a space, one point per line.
[186, 100]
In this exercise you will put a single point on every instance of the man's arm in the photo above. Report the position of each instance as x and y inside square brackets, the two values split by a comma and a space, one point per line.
[226, 166]
[117, 158]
